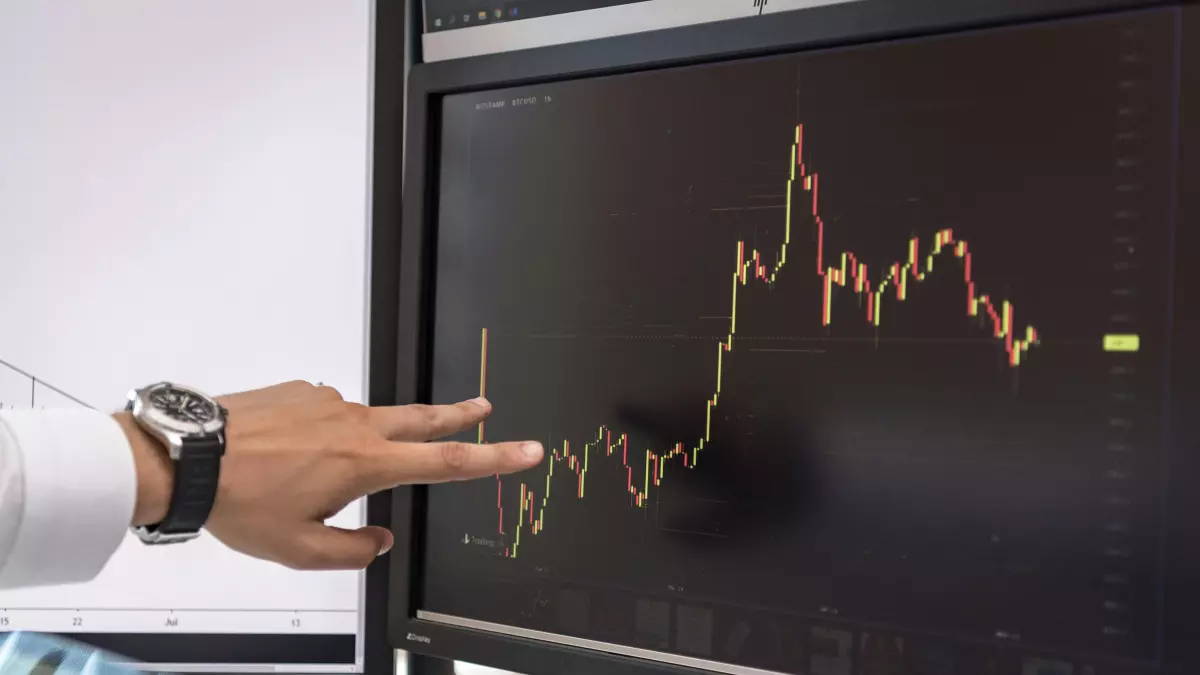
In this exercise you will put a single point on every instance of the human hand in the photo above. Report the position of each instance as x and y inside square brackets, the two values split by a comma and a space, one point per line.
[296, 454]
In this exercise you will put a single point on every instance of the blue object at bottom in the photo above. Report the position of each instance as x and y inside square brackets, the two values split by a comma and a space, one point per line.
[24, 653]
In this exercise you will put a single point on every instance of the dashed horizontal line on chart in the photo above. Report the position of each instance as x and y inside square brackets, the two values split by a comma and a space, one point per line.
[949, 458]
[788, 351]
[714, 535]
[872, 340]
[749, 208]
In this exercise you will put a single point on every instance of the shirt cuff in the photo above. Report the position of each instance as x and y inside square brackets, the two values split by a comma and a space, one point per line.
[80, 487]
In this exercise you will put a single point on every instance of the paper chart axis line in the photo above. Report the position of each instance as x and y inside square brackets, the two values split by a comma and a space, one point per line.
[35, 381]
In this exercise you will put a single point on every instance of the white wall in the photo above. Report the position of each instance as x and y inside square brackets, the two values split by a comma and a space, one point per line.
[193, 155]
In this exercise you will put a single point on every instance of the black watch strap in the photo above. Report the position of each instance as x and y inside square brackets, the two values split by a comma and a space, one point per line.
[196, 475]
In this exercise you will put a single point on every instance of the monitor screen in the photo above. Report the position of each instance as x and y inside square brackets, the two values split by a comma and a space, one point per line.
[850, 360]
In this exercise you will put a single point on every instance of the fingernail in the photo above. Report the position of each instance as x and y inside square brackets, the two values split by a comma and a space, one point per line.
[532, 450]
[481, 402]
[387, 546]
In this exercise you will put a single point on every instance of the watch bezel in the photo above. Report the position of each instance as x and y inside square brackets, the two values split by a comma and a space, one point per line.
[169, 429]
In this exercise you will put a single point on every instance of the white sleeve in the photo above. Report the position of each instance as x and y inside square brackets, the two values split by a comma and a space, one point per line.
[67, 493]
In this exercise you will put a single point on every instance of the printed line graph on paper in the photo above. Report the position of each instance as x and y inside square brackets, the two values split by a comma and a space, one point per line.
[877, 290]
[22, 389]
[98, 605]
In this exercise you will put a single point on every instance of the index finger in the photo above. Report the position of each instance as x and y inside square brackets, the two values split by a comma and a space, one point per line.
[409, 463]
[418, 422]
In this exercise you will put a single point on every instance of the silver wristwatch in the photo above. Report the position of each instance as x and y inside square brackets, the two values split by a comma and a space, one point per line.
[191, 427]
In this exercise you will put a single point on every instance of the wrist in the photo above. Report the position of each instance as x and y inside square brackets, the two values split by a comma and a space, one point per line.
[155, 472]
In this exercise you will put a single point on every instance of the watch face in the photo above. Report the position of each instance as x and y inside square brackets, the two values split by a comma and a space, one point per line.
[183, 406]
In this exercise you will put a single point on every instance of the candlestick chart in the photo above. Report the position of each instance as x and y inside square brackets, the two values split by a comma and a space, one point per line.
[945, 252]
[813, 338]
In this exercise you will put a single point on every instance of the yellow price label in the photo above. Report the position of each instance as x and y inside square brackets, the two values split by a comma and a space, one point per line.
[1121, 343]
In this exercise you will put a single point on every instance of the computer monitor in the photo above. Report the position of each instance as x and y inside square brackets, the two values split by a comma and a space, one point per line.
[859, 342]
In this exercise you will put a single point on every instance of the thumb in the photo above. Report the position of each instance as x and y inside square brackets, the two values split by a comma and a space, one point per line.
[335, 548]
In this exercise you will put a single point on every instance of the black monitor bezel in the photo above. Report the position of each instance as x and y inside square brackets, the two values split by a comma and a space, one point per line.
[856, 22]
